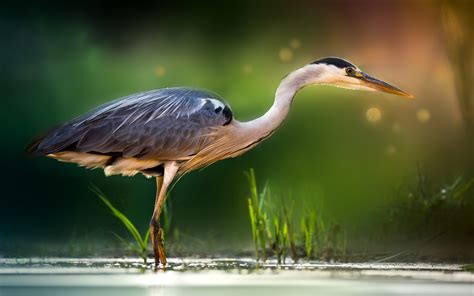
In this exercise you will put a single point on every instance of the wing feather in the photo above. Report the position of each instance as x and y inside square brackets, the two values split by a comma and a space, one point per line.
[166, 123]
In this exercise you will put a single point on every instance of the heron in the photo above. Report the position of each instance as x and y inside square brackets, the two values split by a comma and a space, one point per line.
[166, 133]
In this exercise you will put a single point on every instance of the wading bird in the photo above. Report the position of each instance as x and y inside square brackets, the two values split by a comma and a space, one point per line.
[168, 132]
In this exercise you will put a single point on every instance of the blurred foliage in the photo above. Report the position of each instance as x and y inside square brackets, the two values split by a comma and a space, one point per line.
[458, 27]
[429, 214]
[430, 209]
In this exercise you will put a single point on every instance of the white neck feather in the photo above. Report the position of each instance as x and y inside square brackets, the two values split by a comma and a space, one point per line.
[265, 125]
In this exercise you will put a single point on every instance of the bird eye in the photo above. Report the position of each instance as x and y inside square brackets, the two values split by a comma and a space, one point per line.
[350, 71]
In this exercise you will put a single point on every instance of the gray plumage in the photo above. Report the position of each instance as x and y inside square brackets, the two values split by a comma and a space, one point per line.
[168, 123]
[168, 132]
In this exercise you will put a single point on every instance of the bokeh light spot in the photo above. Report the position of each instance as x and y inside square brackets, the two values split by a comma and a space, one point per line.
[285, 54]
[247, 69]
[160, 71]
[295, 43]
[373, 114]
[391, 150]
[423, 115]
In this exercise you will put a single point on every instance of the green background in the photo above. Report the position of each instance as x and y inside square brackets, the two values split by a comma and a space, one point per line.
[58, 61]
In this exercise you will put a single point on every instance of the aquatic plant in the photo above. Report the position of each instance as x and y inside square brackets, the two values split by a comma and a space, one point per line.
[440, 207]
[288, 216]
[280, 237]
[271, 221]
[332, 241]
[322, 240]
[178, 242]
[258, 218]
[308, 225]
[140, 248]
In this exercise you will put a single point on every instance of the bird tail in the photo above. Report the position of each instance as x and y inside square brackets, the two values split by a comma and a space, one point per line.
[41, 145]
[33, 147]
[55, 140]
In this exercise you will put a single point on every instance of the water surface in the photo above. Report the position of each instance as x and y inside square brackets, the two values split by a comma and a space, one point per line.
[104, 276]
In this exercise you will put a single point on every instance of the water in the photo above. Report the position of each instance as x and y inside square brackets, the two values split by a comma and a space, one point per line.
[54, 276]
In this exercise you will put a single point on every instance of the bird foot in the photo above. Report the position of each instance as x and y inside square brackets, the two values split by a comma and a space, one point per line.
[161, 247]
[157, 239]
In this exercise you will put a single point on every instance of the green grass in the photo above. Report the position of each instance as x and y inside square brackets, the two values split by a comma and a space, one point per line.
[178, 243]
[322, 240]
[258, 218]
[140, 245]
[308, 225]
[272, 221]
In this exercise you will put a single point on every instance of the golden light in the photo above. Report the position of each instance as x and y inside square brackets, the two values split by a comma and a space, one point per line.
[295, 43]
[160, 71]
[423, 115]
[247, 69]
[373, 114]
[285, 54]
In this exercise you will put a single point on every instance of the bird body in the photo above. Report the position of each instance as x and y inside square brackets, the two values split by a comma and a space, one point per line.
[168, 132]
[139, 132]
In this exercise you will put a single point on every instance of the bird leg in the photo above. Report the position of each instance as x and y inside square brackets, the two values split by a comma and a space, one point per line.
[156, 232]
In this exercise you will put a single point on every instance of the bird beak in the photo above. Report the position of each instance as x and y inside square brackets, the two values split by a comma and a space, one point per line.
[380, 85]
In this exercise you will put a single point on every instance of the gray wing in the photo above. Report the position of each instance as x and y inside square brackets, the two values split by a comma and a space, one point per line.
[166, 123]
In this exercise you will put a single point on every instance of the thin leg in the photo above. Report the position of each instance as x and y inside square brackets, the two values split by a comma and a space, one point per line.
[156, 232]
[156, 237]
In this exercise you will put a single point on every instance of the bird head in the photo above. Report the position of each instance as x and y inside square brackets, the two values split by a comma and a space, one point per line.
[341, 73]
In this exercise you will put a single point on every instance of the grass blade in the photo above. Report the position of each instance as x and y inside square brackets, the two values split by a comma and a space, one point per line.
[142, 243]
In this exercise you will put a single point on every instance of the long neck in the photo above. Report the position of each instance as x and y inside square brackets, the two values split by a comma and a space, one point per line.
[236, 138]
[266, 124]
